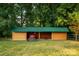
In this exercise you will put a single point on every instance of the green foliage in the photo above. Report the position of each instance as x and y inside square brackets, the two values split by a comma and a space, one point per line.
[36, 15]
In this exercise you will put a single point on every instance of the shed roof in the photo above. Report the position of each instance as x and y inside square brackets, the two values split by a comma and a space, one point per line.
[40, 29]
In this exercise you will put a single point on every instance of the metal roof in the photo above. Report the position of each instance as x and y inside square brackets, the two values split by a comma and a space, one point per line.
[40, 29]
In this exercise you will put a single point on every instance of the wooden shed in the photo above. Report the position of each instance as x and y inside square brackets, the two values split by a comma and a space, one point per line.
[52, 33]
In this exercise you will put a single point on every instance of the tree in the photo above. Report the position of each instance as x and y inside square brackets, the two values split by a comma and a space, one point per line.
[64, 11]
[36, 15]
[75, 24]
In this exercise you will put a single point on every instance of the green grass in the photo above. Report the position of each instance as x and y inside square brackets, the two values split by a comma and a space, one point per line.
[39, 48]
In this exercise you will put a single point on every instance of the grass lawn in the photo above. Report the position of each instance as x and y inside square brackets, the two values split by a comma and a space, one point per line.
[39, 48]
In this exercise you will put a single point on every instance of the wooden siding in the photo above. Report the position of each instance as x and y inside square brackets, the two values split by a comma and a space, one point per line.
[59, 36]
[19, 36]
[25, 36]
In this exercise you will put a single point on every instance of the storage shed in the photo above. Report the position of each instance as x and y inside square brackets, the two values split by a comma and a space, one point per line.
[52, 33]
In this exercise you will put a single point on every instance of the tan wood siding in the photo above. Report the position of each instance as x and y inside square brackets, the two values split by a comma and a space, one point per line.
[19, 36]
[59, 36]
[53, 36]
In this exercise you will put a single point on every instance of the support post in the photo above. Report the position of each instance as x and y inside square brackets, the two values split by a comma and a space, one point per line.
[76, 36]
[39, 35]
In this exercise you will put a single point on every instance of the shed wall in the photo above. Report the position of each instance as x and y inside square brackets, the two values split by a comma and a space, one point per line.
[53, 36]
[19, 36]
[59, 36]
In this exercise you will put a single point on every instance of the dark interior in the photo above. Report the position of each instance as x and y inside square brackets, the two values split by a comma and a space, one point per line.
[45, 35]
[35, 35]
[32, 35]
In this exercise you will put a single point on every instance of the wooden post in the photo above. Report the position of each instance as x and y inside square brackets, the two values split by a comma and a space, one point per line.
[76, 36]
[39, 35]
